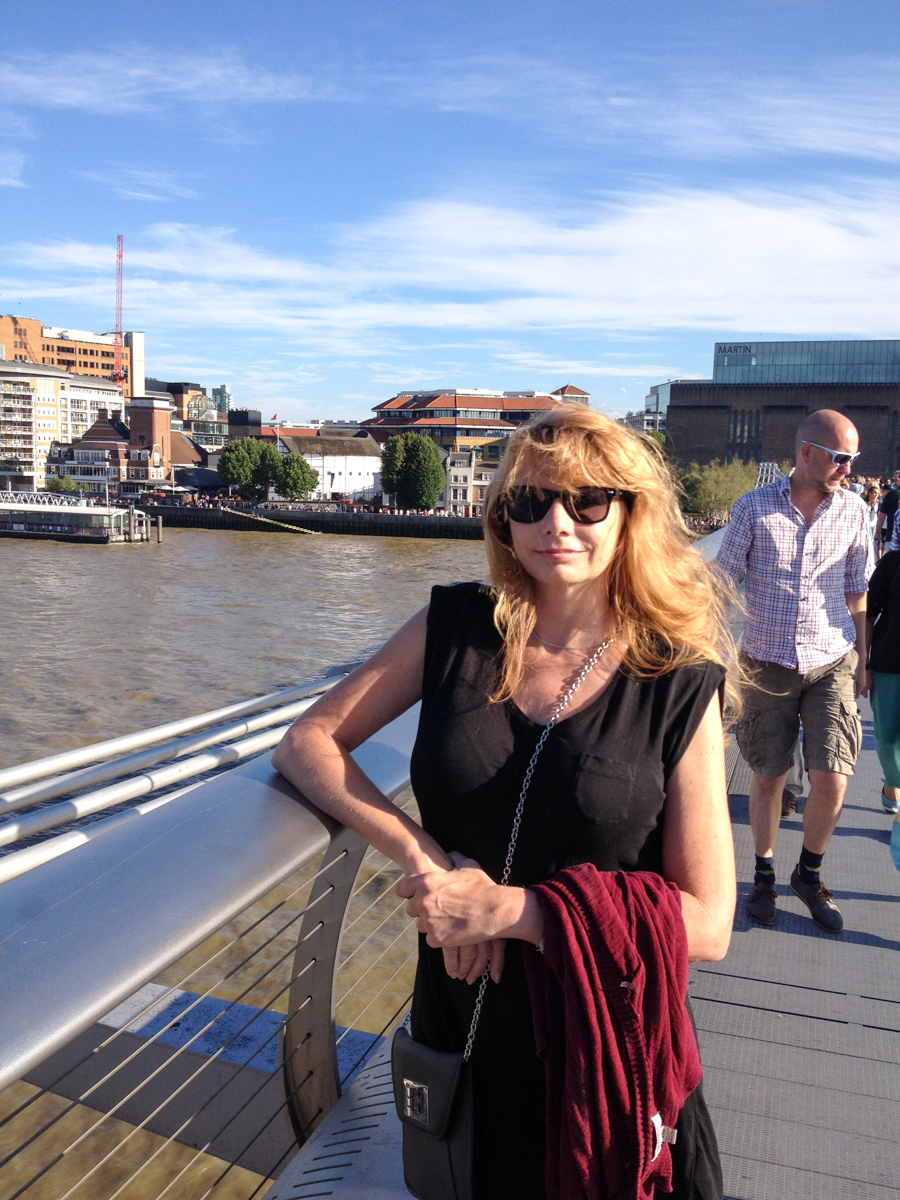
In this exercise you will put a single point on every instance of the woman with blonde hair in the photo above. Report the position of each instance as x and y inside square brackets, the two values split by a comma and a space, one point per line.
[577, 702]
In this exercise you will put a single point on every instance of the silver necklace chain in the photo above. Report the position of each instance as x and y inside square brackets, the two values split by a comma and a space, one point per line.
[556, 646]
[562, 704]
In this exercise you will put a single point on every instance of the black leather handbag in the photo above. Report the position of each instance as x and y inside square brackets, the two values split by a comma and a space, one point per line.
[433, 1091]
[433, 1088]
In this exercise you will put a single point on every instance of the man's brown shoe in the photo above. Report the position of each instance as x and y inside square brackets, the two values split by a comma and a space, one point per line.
[760, 904]
[788, 803]
[820, 903]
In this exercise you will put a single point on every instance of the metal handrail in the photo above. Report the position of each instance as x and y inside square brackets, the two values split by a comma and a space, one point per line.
[75, 781]
[85, 931]
[40, 768]
[59, 814]
[47, 499]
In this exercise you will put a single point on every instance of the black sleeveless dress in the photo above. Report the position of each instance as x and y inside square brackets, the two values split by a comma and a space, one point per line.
[597, 796]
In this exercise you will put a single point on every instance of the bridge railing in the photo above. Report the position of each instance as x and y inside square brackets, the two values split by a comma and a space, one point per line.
[186, 983]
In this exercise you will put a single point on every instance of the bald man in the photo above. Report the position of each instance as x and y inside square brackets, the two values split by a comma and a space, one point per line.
[803, 544]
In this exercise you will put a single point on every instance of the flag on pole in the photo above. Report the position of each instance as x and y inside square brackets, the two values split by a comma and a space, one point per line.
[274, 417]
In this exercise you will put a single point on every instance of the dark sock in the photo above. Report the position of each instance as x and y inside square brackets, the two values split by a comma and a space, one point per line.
[765, 871]
[808, 867]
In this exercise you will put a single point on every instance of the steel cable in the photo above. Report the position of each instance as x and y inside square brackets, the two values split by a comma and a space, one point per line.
[185, 979]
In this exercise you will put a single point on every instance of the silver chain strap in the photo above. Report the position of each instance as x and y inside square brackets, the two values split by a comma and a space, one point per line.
[520, 807]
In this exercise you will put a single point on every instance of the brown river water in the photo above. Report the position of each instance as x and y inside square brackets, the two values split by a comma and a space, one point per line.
[103, 640]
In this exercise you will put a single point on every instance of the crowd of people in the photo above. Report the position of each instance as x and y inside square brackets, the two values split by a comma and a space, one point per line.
[881, 496]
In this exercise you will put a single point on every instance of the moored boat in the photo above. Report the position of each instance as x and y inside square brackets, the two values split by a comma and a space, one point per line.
[49, 515]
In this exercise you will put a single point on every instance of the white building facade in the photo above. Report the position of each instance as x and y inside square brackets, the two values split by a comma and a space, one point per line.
[468, 478]
[349, 467]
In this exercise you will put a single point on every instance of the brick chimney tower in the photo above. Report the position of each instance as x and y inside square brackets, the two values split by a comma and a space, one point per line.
[151, 430]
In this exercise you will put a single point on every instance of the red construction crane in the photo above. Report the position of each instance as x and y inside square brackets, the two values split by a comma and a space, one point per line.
[118, 372]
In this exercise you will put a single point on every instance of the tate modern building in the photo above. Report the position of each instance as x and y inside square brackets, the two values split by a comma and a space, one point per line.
[761, 391]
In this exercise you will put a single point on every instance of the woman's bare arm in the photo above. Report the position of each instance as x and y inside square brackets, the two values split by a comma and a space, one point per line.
[315, 752]
[698, 850]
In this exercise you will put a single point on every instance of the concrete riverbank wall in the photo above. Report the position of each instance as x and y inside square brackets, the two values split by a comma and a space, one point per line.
[365, 524]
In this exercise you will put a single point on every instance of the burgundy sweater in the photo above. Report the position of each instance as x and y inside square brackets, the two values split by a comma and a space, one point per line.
[608, 997]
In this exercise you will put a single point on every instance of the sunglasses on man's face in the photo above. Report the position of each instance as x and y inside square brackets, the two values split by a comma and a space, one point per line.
[839, 457]
[587, 505]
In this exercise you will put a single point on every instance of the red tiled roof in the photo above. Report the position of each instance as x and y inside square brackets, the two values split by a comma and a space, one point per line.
[482, 403]
[569, 390]
[431, 422]
[286, 431]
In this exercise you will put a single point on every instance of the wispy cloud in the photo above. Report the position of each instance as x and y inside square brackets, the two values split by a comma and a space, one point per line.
[581, 368]
[682, 260]
[138, 79]
[849, 107]
[132, 184]
[11, 166]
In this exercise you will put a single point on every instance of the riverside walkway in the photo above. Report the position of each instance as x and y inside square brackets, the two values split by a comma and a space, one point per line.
[799, 1029]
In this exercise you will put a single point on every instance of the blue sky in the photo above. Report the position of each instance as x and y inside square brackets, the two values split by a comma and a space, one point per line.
[325, 202]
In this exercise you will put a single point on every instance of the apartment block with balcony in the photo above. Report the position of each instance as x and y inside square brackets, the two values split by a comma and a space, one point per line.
[40, 405]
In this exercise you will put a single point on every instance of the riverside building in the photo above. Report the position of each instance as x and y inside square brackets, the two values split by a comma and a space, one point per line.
[200, 417]
[348, 464]
[465, 420]
[761, 391]
[127, 460]
[77, 351]
[41, 405]
[468, 476]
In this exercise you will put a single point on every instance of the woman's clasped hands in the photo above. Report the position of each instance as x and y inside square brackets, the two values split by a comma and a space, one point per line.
[469, 916]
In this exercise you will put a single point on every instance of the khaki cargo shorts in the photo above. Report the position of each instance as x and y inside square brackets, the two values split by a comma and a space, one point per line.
[779, 698]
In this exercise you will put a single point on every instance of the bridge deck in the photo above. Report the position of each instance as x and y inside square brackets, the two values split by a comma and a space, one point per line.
[799, 1029]
[799, 1032]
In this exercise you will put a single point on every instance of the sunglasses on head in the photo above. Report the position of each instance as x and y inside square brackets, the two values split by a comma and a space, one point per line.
[838, 457]
[587, 505]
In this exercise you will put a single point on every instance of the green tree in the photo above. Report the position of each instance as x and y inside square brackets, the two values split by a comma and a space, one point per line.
[715, 487]
[64, 483]
[658, 436]
[421, 478]
[392, 453]
[237, 463]
[266, 472]
[297, 478]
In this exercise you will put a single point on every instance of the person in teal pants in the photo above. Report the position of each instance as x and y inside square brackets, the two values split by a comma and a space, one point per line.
[883, 671]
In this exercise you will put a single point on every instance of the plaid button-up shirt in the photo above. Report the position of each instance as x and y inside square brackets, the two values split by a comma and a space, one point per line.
[798, 574]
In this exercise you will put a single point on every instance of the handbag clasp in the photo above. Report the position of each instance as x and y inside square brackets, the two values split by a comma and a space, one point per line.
[415, 1100]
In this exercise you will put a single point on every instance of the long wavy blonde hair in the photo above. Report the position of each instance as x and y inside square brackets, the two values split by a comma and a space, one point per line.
[669, 606]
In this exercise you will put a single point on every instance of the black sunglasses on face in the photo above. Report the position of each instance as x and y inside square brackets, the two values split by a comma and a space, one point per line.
[587, 505]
